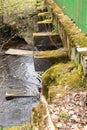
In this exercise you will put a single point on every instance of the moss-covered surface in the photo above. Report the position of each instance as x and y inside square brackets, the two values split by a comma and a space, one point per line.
[25, 126]
[52, 56]
[53, 6]
[65, 75]
[39, 118]
[52, 53]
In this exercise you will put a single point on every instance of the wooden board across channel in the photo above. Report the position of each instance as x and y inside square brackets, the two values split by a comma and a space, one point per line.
[19, 52]
[15, 93]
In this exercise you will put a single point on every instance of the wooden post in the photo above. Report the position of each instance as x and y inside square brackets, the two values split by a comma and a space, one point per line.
[79, 58]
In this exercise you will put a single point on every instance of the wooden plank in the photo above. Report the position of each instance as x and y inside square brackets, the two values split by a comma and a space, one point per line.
[43, 14]
[44, 34]
[47, 21]
[19, 52]
[82, 50]
[16, 93]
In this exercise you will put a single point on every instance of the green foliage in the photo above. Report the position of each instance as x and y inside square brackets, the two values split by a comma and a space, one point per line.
[18, 11]
[63, 115]
[1, 128]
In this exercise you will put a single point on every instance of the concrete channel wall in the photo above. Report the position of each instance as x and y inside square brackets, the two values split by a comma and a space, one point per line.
[71, 36]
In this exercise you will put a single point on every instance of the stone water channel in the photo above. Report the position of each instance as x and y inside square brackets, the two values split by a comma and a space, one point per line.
[18, 72]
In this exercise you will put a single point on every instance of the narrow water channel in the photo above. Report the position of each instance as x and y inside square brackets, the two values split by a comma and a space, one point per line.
[18, 72]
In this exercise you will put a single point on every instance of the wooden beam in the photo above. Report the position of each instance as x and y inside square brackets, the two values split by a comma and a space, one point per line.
[43, 14]
[19, 52]
[47, 21]
[44, 34]
[17, 93]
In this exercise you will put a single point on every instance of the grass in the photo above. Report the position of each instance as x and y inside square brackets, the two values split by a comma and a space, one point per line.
[39, 118]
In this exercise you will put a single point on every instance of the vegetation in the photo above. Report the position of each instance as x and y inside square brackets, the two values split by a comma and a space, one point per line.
[39, 118]
[25, 126]
[63, 115]
[62, 74]
[76, 35]
[52, 53]
[19, 14]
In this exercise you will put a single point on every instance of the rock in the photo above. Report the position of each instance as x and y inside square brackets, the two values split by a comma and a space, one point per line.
[54, 118]
[59, 125]
[71, 112]
[75, 118]
[74, 104]
[59, 95]
[74, 127]
[85, 127]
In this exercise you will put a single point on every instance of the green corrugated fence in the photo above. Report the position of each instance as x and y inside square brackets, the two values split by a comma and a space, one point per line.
[76, 10]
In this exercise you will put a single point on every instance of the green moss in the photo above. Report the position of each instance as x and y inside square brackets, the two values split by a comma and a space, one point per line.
[62, 74]
[39, 113]
[53, 91]
[25, 126]
[52, 53]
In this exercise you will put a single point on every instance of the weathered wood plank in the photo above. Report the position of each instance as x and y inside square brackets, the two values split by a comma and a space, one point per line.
[19, 52]
[44, 34]
[47, 21]
[43, 14]
[16, 93]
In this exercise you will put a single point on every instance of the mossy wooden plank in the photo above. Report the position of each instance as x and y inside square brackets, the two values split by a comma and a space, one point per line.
[43, 14]
[51, 53]
[47, 21]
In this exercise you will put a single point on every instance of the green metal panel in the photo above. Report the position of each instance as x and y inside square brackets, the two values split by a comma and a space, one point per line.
[76, 10]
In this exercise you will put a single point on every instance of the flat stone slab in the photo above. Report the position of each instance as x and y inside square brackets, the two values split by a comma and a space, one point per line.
[19, 52]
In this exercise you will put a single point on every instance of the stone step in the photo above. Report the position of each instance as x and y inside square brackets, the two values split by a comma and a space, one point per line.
[46, 39]
[45, 25]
